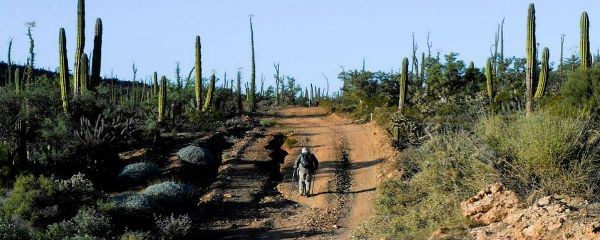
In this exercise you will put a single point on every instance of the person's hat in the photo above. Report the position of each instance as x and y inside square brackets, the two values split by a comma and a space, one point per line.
[304, 150]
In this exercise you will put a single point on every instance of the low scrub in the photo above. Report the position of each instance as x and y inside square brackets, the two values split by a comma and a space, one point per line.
[133, 201]
[170, 192]
[444, 171]
[267, 122]
[42, 200]
[87, 224]
[140, 172]
[290, 142]
[136, 236]
[173, 227]
[196, 155]
[544, 153]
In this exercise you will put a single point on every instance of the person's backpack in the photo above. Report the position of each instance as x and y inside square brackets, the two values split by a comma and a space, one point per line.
[306, 162]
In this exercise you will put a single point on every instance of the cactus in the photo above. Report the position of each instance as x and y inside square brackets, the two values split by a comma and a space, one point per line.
[251, 95]
[155, 87]
[30, 61]
[545, 69]
[209, 93]
[312, 96]
[9, 67]
[84, 76]
[162, 98]
[238, 97]
[80, 44]
[17, 80]
[422, 68]
[63, 69]
[198, 74]
[403, 83]
[584, 41]
[530, 59]
[489, 75]
[97, 55]
[247, 91]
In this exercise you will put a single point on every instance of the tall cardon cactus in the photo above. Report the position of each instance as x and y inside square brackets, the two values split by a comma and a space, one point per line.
[584, 41]
[544, 70]
[489, 76]
[251, 96]
[80, 45]
[531, 62]
[63, 72]
[162, 99]
[403, 83]
[198, 74]
[84, 74]
[97, 55]
[209, 93]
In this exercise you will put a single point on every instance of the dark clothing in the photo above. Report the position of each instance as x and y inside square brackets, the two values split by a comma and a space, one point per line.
[306, 174]
[310, 158]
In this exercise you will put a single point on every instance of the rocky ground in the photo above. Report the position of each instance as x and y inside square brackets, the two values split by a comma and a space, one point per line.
[500, 214]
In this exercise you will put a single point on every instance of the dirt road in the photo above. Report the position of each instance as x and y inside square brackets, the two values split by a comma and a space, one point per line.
[254, 198]
[344, 189]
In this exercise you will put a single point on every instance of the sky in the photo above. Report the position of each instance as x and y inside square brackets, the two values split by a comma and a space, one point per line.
[310, 39]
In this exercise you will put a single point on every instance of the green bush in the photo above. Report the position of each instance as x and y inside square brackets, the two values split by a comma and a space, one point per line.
[582, 88]
[32, 199]
[9, 230]
[87, 224]
[267, 122]
[448, 169]
[543, 152]
[290, 142]
[136, 236]
[42, 200]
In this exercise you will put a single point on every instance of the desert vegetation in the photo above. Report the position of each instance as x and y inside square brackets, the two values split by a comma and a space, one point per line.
[71, 140]
[517, 121]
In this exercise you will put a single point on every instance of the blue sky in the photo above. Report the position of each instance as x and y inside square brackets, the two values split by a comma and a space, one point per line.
[307, 37]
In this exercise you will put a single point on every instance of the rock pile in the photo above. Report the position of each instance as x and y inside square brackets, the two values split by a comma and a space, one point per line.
[503, 216]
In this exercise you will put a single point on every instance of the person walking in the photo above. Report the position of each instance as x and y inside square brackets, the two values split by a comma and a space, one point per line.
[305, 166]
